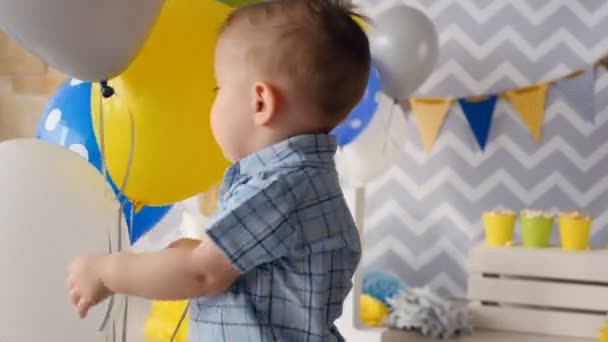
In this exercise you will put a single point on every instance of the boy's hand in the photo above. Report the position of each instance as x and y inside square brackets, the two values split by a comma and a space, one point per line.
[86, 286]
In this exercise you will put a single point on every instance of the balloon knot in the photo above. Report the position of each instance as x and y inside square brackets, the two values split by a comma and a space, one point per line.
[106, 90]
[137, 206]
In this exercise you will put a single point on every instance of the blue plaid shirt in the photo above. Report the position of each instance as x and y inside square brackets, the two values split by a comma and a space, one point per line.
[284, 224]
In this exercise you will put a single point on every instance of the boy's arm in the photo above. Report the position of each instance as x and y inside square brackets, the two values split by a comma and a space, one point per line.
[185, 242]
[182, 272]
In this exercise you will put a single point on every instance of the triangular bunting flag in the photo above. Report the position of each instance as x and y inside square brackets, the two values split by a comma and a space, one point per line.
[479, 112]
[579, 91]
[530, 104]
[430, 115]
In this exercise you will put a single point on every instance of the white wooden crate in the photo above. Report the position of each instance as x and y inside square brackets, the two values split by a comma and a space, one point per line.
[533, 295]
[542, 291]
[481, 336]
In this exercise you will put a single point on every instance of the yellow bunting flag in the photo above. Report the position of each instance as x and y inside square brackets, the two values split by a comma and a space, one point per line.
[530, 104]
[430, 114]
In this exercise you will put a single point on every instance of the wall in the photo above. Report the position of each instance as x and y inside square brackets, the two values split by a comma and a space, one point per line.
[25, 86]
[424, 214]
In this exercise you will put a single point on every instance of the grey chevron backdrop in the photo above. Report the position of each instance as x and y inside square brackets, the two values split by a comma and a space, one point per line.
[424, 215]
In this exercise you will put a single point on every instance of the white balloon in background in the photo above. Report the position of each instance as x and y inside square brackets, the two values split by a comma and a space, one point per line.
[405, 49]
[54, 207]
[376, 149]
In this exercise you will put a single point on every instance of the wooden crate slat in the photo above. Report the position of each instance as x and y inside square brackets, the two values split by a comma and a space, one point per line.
[537, 321]
[391, 335]
[546, 262]
[538, 293]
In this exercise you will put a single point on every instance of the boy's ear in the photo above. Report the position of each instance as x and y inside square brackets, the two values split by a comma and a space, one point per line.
[266, 103]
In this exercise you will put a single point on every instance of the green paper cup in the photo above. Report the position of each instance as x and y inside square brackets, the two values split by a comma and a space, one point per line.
[536, 231]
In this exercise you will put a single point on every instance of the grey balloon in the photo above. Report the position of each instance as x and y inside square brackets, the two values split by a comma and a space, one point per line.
[87, 39]
[405, 49]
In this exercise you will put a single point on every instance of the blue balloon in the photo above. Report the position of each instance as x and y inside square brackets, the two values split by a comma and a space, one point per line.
[362, 115]
[67, 121]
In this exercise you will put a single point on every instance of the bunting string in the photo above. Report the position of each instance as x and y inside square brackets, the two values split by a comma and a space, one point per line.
[577, 88]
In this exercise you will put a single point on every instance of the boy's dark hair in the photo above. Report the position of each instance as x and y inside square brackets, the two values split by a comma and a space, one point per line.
[318, 44]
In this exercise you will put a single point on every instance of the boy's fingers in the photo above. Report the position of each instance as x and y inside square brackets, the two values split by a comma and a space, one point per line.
[74, 298]
[83, 308]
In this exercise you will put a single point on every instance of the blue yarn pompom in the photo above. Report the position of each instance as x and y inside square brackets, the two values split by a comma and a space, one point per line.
[381, 285]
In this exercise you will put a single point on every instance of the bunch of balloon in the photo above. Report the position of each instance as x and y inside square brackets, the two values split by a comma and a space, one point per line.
[66, 121]
[161, 109]
[405, 48]
[157, 56]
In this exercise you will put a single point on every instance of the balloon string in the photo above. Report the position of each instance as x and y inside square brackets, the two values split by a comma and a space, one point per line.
[125, 181]
[125, 314]
[125, 319]
[106, 316]
[104, 172]
[107, 92]
[181, 321]
[387, 124]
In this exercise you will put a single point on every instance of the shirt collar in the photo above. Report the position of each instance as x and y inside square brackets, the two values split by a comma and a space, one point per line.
[300, 149]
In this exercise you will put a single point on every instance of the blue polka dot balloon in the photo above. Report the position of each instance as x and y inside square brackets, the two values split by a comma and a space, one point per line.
[362, 115]
[66, 121]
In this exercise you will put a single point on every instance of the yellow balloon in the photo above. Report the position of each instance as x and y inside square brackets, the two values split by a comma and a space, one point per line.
[163, 319]
[169, 91]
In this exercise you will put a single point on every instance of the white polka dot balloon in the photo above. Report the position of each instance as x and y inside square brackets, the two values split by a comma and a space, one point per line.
[75, 82]
[80, 149]
[52, 120]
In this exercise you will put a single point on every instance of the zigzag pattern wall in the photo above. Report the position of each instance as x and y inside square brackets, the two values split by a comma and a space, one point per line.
[424, 215]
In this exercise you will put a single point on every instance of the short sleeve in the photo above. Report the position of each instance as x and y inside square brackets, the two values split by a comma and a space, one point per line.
[256, 229]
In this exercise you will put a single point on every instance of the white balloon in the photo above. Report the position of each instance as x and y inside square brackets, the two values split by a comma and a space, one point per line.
[405, 49]
[54, 207]
[376, 149]
[88, 39]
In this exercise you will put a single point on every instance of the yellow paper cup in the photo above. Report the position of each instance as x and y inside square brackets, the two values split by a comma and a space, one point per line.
[574, 233]
[498, 228]
[604, 333]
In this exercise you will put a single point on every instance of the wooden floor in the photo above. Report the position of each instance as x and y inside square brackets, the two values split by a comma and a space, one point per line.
[480, 336]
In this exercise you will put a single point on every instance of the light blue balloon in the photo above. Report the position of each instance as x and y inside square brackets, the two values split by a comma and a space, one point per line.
[67, 121]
